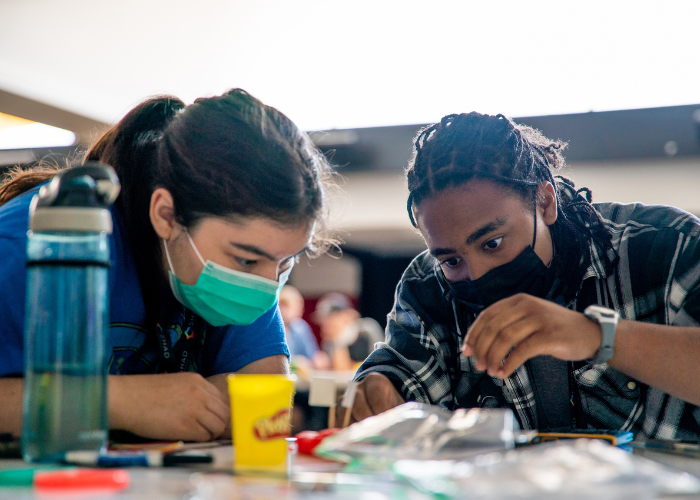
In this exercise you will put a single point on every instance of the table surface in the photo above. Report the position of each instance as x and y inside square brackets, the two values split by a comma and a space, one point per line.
[312, 478]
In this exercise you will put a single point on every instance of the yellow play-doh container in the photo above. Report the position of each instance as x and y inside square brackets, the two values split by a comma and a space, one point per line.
[261, 408]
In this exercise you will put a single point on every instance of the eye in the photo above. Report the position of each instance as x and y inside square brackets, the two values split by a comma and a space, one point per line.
[245, 262]
[493, 244]
[451, 262]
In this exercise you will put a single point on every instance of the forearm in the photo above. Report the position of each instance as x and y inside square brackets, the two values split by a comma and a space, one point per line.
[277, 364]
[11, 390]
[661, 356]
[118, 401]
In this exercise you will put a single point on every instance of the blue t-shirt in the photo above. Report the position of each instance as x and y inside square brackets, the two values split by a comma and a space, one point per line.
[225, 349]
[300, 339]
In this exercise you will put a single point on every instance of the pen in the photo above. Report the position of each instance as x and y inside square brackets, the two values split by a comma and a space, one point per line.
[163, 447]
[135, 459]
[96, 458]
[54, 477]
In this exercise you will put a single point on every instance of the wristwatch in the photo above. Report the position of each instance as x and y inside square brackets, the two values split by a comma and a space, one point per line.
[607, 319]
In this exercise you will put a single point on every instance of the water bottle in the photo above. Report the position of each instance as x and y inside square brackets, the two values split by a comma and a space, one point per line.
[67, 313]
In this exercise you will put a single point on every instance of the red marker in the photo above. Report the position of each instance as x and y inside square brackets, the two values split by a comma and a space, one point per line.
[73, 479]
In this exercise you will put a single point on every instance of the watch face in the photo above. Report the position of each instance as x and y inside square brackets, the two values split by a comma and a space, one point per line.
[601, 313]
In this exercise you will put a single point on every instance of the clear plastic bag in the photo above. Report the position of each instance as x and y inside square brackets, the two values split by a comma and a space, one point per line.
[423, 432]
[580, 469]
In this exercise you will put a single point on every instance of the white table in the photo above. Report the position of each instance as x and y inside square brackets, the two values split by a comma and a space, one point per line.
[313, 478]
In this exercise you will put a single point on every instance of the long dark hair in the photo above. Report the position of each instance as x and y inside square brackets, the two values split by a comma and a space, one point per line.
[462, 147]
[224, 156]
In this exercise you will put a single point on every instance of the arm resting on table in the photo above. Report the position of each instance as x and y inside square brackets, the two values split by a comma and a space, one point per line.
[11, 390]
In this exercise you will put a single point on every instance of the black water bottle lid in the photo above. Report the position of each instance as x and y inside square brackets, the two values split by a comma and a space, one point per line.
[76, 199]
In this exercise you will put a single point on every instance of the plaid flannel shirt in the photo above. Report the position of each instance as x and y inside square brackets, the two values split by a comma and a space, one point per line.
[656, 280]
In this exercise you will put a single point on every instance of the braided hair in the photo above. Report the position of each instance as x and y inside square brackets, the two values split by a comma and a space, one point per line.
[467, 146]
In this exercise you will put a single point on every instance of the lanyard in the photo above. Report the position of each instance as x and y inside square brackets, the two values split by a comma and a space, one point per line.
[182, 357]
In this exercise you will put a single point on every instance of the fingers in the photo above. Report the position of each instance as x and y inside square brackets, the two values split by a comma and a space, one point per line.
[506, 340]
[488, 324]
[499, 328]
[219, 408]
[212, 423]
[215, 414]
[515, 329]
[212, 388]
[528, 348]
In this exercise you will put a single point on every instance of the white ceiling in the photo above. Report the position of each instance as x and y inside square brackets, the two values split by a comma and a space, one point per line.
[354, 63]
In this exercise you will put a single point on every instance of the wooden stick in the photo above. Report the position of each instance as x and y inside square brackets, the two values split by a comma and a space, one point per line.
[346, 418]
[331, 417]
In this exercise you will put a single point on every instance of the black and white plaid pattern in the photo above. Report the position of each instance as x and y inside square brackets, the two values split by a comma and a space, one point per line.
[656, 280]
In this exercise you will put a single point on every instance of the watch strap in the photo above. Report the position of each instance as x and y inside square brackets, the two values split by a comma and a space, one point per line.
[605, 351]
[607, 319]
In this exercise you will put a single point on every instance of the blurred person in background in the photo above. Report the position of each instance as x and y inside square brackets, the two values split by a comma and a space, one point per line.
[306, 357]
[530, 297]
[301, 341]
[346, 337]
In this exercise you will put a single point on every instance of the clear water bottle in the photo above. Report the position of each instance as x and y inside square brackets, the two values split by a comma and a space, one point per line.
[67, 313]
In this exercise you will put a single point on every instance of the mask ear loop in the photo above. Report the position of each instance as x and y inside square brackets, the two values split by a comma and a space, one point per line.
[167, 253]
[534, 212]
[287, 270]
[199, 256]
[534, 236]
[167, 256]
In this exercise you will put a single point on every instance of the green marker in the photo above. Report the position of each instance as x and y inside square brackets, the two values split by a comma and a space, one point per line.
[23, 476]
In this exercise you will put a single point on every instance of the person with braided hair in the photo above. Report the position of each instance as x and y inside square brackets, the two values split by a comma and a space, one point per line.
[218, 199]
[575, 315]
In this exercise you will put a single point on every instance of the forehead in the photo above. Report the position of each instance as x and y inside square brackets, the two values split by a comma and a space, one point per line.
[458, 211]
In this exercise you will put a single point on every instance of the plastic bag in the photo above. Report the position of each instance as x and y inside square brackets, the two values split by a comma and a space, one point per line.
[423, 432]
[582, 469]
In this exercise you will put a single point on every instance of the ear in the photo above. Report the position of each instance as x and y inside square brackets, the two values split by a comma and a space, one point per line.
[547, 202]
[162, 213]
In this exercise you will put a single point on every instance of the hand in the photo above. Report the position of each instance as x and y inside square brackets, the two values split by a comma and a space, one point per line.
[375, 394]
[520, 327]
[169, 406]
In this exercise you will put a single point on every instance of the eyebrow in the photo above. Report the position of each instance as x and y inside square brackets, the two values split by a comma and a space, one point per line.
[483, 230]
[486, 229]
[261, 252]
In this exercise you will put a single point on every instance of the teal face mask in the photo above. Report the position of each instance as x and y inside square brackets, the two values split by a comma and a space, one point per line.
[223, 296]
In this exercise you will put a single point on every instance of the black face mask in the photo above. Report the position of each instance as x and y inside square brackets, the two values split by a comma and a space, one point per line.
[526, 273]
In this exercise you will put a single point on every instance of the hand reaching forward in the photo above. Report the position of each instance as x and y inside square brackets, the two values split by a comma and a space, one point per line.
[517, 328]
[170, 406]
[375, 394]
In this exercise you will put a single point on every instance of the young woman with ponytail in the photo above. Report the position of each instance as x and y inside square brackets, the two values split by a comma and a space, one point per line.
[218, 199]
[530, 297]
